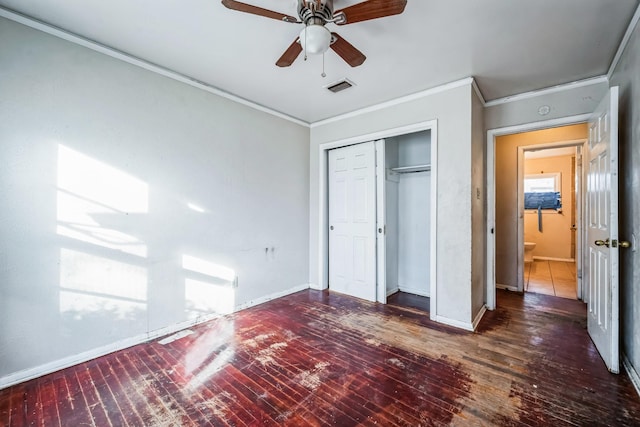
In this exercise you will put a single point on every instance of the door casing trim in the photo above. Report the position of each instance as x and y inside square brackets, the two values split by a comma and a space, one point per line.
[323, 203]
[492, 134]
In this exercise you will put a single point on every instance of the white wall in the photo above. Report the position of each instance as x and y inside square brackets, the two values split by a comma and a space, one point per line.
[392, 183]
[414, 210]
[627, 76]
[99, 161]
[452, 110]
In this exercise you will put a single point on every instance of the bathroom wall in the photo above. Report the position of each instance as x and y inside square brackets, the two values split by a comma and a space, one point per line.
[507, 189]
[555, 239]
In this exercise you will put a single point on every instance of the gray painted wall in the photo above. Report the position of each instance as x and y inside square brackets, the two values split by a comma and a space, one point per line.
[452, 109]
[99, 161]
[627, 76]
[478, 207]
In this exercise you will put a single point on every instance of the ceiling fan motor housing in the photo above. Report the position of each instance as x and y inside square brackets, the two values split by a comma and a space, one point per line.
[315, 12]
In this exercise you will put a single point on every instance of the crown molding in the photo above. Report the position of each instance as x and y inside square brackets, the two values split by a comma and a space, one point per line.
[478, 92]
[401, 100]
[623, 44]
[548, 90]
[117, 54]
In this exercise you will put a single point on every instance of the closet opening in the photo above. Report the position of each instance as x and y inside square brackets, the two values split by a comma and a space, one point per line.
[407, 206]
[350, 225]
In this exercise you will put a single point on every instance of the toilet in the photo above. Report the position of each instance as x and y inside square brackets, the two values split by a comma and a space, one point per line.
[528, 251]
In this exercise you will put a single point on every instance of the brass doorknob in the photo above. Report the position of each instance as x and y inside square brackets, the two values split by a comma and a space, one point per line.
[602, 243]
[624, 244]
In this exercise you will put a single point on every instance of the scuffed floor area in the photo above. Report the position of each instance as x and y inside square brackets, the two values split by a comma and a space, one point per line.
[318, 358]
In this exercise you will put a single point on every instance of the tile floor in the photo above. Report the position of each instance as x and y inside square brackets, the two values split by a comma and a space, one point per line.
[556, 278]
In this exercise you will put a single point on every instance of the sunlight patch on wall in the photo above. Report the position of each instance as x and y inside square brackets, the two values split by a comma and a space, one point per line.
[91, 284]
[196, 208]
[203, 297]
[99, 204]
[208, 268]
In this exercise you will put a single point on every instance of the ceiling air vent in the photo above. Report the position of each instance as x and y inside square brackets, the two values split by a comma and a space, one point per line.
[340, 86]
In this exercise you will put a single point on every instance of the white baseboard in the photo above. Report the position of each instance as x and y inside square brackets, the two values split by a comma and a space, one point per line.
[507, 287]
[548, 258]
[467, 326]
[273, 296]
[392, 291]
[633, 374]
[478, 318]
[66, 362]
[415, 291]
[317, 287]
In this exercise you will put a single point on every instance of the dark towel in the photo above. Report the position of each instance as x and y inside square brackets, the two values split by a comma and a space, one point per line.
[542, 200]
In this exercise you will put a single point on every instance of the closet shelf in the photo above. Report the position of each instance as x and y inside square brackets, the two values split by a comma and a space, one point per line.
[409, 169]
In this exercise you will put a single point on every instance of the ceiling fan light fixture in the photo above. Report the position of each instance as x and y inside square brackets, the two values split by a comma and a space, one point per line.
[315, 39]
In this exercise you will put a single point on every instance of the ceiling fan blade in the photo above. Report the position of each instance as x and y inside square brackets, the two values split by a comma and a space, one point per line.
[290, 54]
[372, 9]
[243, 7]
[346, 51]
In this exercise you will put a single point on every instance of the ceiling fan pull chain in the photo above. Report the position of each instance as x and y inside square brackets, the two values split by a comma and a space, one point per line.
[323, 73]
[305, 42]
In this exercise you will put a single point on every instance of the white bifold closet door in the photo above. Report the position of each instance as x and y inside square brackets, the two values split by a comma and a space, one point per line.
[352, 220]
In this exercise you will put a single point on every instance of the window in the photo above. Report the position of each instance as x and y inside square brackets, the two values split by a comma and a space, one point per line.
[542, 191]
[542, 183]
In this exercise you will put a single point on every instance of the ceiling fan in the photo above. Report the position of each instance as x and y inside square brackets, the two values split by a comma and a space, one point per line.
[315, 38]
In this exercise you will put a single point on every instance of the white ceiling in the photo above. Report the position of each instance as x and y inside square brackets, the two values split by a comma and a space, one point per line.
[550, 152]
[509, 46]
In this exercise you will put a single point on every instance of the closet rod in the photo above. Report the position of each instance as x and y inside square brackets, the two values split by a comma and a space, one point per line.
[410, 169]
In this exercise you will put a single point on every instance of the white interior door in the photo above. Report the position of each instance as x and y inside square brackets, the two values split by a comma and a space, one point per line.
[352, 220]
[602, 229]
[381, 220]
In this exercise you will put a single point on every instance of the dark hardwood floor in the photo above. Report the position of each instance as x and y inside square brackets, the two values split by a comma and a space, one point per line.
[318, 358]
[404, 299]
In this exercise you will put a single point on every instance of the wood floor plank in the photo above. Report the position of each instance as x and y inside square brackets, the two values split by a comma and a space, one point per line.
[348, 350]
[5, 406]
[79, 413]
[176, 398]
[48, 401]
[99, 413]
[18, 408]
[159, 397]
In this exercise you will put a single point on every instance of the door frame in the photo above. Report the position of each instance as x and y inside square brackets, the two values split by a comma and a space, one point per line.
[492, 135]
[579, 206]
[323, 205]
